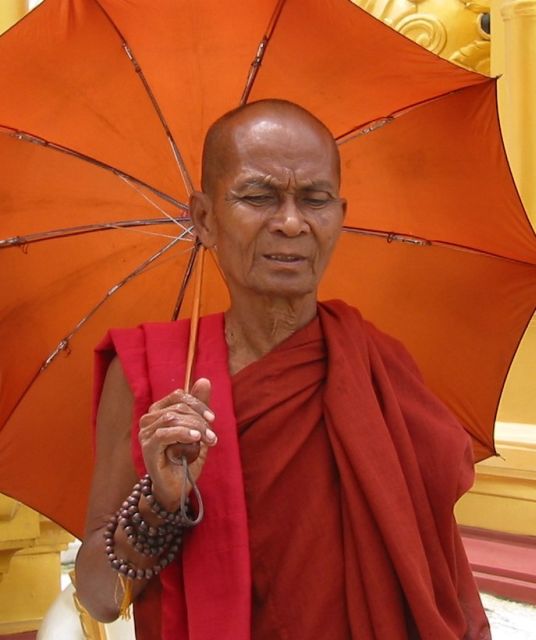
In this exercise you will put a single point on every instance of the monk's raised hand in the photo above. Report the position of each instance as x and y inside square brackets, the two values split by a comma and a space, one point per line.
[178, 418]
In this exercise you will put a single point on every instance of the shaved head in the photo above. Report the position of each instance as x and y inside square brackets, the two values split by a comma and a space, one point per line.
[270, 206]
[224, 134]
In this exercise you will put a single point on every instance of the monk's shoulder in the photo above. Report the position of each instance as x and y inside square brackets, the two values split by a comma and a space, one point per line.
[391, 349]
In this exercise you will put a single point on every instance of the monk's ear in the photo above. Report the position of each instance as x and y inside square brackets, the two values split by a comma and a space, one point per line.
[201, 212]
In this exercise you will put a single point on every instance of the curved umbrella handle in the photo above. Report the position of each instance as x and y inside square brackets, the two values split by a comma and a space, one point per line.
[176, 452]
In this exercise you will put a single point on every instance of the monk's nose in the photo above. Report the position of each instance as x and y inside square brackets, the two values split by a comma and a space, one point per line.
[289, 219]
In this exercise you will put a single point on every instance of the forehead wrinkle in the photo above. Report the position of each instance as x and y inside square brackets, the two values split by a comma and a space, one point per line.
[307, 184]
[272, 113]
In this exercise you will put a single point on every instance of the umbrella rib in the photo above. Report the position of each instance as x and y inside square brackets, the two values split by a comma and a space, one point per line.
[134, 225]
[64, 343]
[261, 50]
[393, 236]
[151, 202]
[187, 276]
[24, 136]
[364, 130]
[137, 68]
[378, 123]
[185, 280]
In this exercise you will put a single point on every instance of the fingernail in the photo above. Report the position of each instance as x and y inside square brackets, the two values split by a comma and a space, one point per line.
[195, 434]
[209, 415]
[210, 435]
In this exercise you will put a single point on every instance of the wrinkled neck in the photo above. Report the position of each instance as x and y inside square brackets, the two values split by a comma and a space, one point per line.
[254, 327]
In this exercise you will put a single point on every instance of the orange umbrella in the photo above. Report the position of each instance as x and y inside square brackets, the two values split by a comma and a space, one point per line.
[105, 105]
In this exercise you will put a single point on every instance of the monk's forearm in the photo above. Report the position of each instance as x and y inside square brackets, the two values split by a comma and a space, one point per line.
[97, 584]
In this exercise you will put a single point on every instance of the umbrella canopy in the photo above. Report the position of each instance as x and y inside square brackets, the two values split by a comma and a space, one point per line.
[105, 106]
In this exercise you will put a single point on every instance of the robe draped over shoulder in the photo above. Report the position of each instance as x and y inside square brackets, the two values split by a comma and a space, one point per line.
[350, 468]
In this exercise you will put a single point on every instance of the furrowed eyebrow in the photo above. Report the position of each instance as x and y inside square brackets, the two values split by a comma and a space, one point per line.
[268, 183]
[320, 185]
[255, 183]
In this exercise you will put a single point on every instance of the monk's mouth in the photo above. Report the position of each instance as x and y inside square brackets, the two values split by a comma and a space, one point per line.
[284, 258]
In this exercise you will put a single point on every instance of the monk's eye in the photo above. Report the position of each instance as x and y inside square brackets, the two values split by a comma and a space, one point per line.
[314, 201]
[259, 200]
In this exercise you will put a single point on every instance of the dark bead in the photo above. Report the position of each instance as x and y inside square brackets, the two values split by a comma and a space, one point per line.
[131, 573]
[123, 569]
[132, 501]
[116, 563]
[124, 522]
[148, 573]
[132, 510]
[164, 563]
[140, 574]
[109, 549]
[129, 529]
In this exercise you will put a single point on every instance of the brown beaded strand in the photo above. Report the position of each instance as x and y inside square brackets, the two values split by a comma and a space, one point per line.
[127, 568]
[161, 542]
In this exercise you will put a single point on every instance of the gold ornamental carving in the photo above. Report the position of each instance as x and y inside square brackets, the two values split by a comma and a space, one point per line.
[457, 30]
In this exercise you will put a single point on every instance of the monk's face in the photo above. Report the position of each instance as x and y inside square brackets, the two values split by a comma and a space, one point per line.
[275, 204]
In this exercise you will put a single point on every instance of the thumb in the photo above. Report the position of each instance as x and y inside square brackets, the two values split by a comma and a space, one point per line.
[201, 389]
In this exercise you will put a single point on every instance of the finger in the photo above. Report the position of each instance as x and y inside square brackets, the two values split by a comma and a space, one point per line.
[169, 419]
[166, 436]
[172, 398]
[179, 396]
[171, 412]
[201, 389]
[196, 405]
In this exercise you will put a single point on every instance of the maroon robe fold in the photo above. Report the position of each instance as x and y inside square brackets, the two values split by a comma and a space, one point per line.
[206, 593]
[351, 469]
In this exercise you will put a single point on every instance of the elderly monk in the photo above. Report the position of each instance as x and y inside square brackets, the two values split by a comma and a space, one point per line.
[330, 484]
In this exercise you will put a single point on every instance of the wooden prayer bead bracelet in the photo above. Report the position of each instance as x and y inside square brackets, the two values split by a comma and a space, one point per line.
[162, 542]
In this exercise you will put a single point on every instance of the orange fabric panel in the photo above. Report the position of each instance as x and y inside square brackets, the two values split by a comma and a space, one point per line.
[196, 56]
[43, 189]
[347, 68]
[71, 82]
[439, 172]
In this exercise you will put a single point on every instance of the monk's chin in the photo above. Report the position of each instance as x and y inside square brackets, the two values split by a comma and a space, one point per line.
[287, 290]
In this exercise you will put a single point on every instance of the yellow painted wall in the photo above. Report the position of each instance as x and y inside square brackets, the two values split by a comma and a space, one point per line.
[10, 12]
[513, 56]
[504, 495]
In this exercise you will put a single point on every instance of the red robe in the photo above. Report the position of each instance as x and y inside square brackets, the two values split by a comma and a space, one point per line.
[351, 469]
